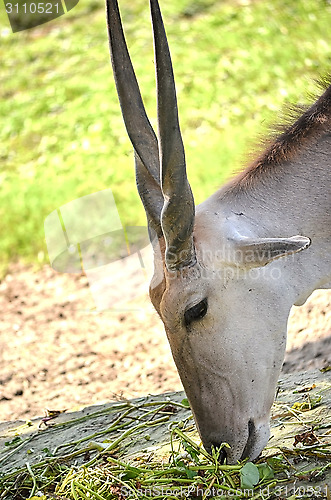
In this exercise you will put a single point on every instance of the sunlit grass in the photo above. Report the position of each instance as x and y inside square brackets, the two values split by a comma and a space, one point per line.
[62, 136]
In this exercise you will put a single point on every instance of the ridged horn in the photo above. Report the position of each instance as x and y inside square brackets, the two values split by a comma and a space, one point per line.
[177, 216]
[136, 121]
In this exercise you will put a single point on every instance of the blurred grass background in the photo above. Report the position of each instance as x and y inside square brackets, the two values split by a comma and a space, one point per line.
[237, 63]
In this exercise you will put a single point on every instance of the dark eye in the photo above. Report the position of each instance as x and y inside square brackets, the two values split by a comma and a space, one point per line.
[196, 312]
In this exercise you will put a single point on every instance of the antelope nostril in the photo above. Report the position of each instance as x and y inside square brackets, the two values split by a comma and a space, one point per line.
[251, 428]
[250, 440]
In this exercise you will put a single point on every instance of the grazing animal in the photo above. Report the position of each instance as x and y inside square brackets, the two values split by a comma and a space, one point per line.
[227, 272]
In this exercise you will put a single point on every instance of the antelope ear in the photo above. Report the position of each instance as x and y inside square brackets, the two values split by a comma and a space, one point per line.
[257, 252]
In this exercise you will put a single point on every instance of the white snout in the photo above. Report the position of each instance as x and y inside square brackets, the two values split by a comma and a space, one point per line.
[257, 439]
[247, 442]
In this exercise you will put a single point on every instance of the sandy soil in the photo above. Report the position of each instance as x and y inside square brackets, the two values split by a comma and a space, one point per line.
[57, 352]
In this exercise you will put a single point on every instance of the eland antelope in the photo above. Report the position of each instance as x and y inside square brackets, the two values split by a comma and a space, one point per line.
[227, 272]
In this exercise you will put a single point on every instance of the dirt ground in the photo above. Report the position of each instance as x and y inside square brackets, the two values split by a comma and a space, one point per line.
[58, 352]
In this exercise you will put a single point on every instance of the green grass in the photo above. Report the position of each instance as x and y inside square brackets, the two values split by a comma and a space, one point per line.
[175, 467]
[62, 136]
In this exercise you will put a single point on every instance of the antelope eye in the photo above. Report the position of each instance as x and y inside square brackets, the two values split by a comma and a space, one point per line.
[198, 311]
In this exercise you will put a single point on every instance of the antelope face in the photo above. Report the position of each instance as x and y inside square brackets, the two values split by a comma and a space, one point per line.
[226, 336]
[226, 324]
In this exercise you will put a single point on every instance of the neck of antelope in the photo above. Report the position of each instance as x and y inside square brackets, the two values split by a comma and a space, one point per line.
[293, 199]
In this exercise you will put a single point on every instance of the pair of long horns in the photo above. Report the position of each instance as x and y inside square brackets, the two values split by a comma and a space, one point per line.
[160, 163]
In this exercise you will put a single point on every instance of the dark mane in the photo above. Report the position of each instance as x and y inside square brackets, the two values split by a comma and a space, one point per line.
[310, 123]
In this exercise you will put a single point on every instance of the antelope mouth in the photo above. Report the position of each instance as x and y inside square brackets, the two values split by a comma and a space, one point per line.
[258, 436]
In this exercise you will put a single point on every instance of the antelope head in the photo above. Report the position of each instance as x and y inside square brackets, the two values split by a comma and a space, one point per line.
[224, 314]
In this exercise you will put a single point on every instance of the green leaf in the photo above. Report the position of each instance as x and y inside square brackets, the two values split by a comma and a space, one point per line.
[249, 476]
[130, 473]
[184, 471]
[315, 401]
[14, 442]
[185, 403]
[277, 463]
[265, 472]
[47, 452]
[180, 465]
[191, 473]
[191, 451]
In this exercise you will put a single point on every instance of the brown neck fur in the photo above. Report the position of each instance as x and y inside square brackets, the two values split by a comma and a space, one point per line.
[309, 126]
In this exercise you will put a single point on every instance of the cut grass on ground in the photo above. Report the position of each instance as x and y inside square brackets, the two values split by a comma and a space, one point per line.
[149, 448]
